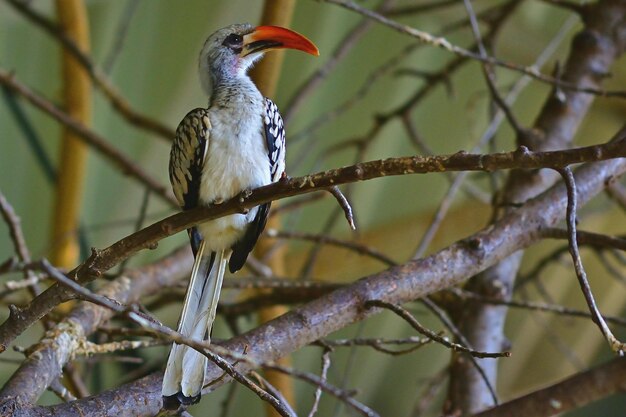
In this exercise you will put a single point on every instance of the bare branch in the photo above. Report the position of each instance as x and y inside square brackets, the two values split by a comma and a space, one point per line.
[414, 280]
[574, 392]
[617, 346]
[329, 240]
[98, 77]
[103, 260]
[408, 317]
[594, 50]
[461, 52]
[55, 350]
[530, 305]
[588, 238]
[19, 243]
[113, 155]
[344, 396]
[318, 390]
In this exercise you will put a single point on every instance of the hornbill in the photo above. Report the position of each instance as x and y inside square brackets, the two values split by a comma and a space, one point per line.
[236, 144]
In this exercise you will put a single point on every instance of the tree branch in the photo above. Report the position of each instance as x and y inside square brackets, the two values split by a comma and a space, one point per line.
[594, 50]
[51, 354]
[100, 79]
[450, 266]
[102, 260]
[569, 394]
[100, 144]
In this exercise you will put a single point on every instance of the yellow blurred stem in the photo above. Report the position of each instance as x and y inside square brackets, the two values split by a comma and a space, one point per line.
[266, 75]
[72, 16]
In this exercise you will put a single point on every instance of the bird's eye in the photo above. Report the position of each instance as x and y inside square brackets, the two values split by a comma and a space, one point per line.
[233, 41]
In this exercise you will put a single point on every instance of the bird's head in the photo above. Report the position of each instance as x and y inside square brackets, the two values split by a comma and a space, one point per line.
[230, 51]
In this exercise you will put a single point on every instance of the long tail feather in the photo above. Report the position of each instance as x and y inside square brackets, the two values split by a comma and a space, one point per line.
[184, 373]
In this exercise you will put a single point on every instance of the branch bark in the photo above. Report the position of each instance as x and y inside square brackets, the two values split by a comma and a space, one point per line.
[46, 361]
[415, 279]
[102, 260]
[572, 393]
[594, 50]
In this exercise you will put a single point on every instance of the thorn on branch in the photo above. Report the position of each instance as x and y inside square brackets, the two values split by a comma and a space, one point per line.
[344, 204]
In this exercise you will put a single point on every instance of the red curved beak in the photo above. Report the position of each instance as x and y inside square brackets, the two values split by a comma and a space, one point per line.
[265, 38]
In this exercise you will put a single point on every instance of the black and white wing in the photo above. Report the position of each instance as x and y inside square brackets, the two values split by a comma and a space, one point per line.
[275, 140]
[187, 160]
[275, 137]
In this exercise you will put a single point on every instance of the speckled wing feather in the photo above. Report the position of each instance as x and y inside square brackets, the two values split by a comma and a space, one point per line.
[275, 137]
[275, 140]
[186, 161]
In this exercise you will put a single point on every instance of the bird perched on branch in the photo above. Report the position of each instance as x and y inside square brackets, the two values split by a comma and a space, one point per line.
[236, 144]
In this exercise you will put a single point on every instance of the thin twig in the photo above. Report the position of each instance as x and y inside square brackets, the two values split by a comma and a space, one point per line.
[408, 317]
[310, 85]
[486, 138]
[613, 271]
[587, 238]
[401, 11]
[101, 81]
[615, 345]
[329, 240]
[272, 390]
[374, 343]
[349, 366]
[15, 229]
[443, 317]
[533, 305]
[488, 71]
[344, 396]
[318, 390]
[126, 166]
[443, 43]
[144, 321]
[121, 32]
[139, 221]
[31, 279]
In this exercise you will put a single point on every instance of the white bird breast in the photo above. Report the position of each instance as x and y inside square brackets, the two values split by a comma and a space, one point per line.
[236, 160]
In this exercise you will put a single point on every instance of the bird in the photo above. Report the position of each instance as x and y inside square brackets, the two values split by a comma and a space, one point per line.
[234, 145]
